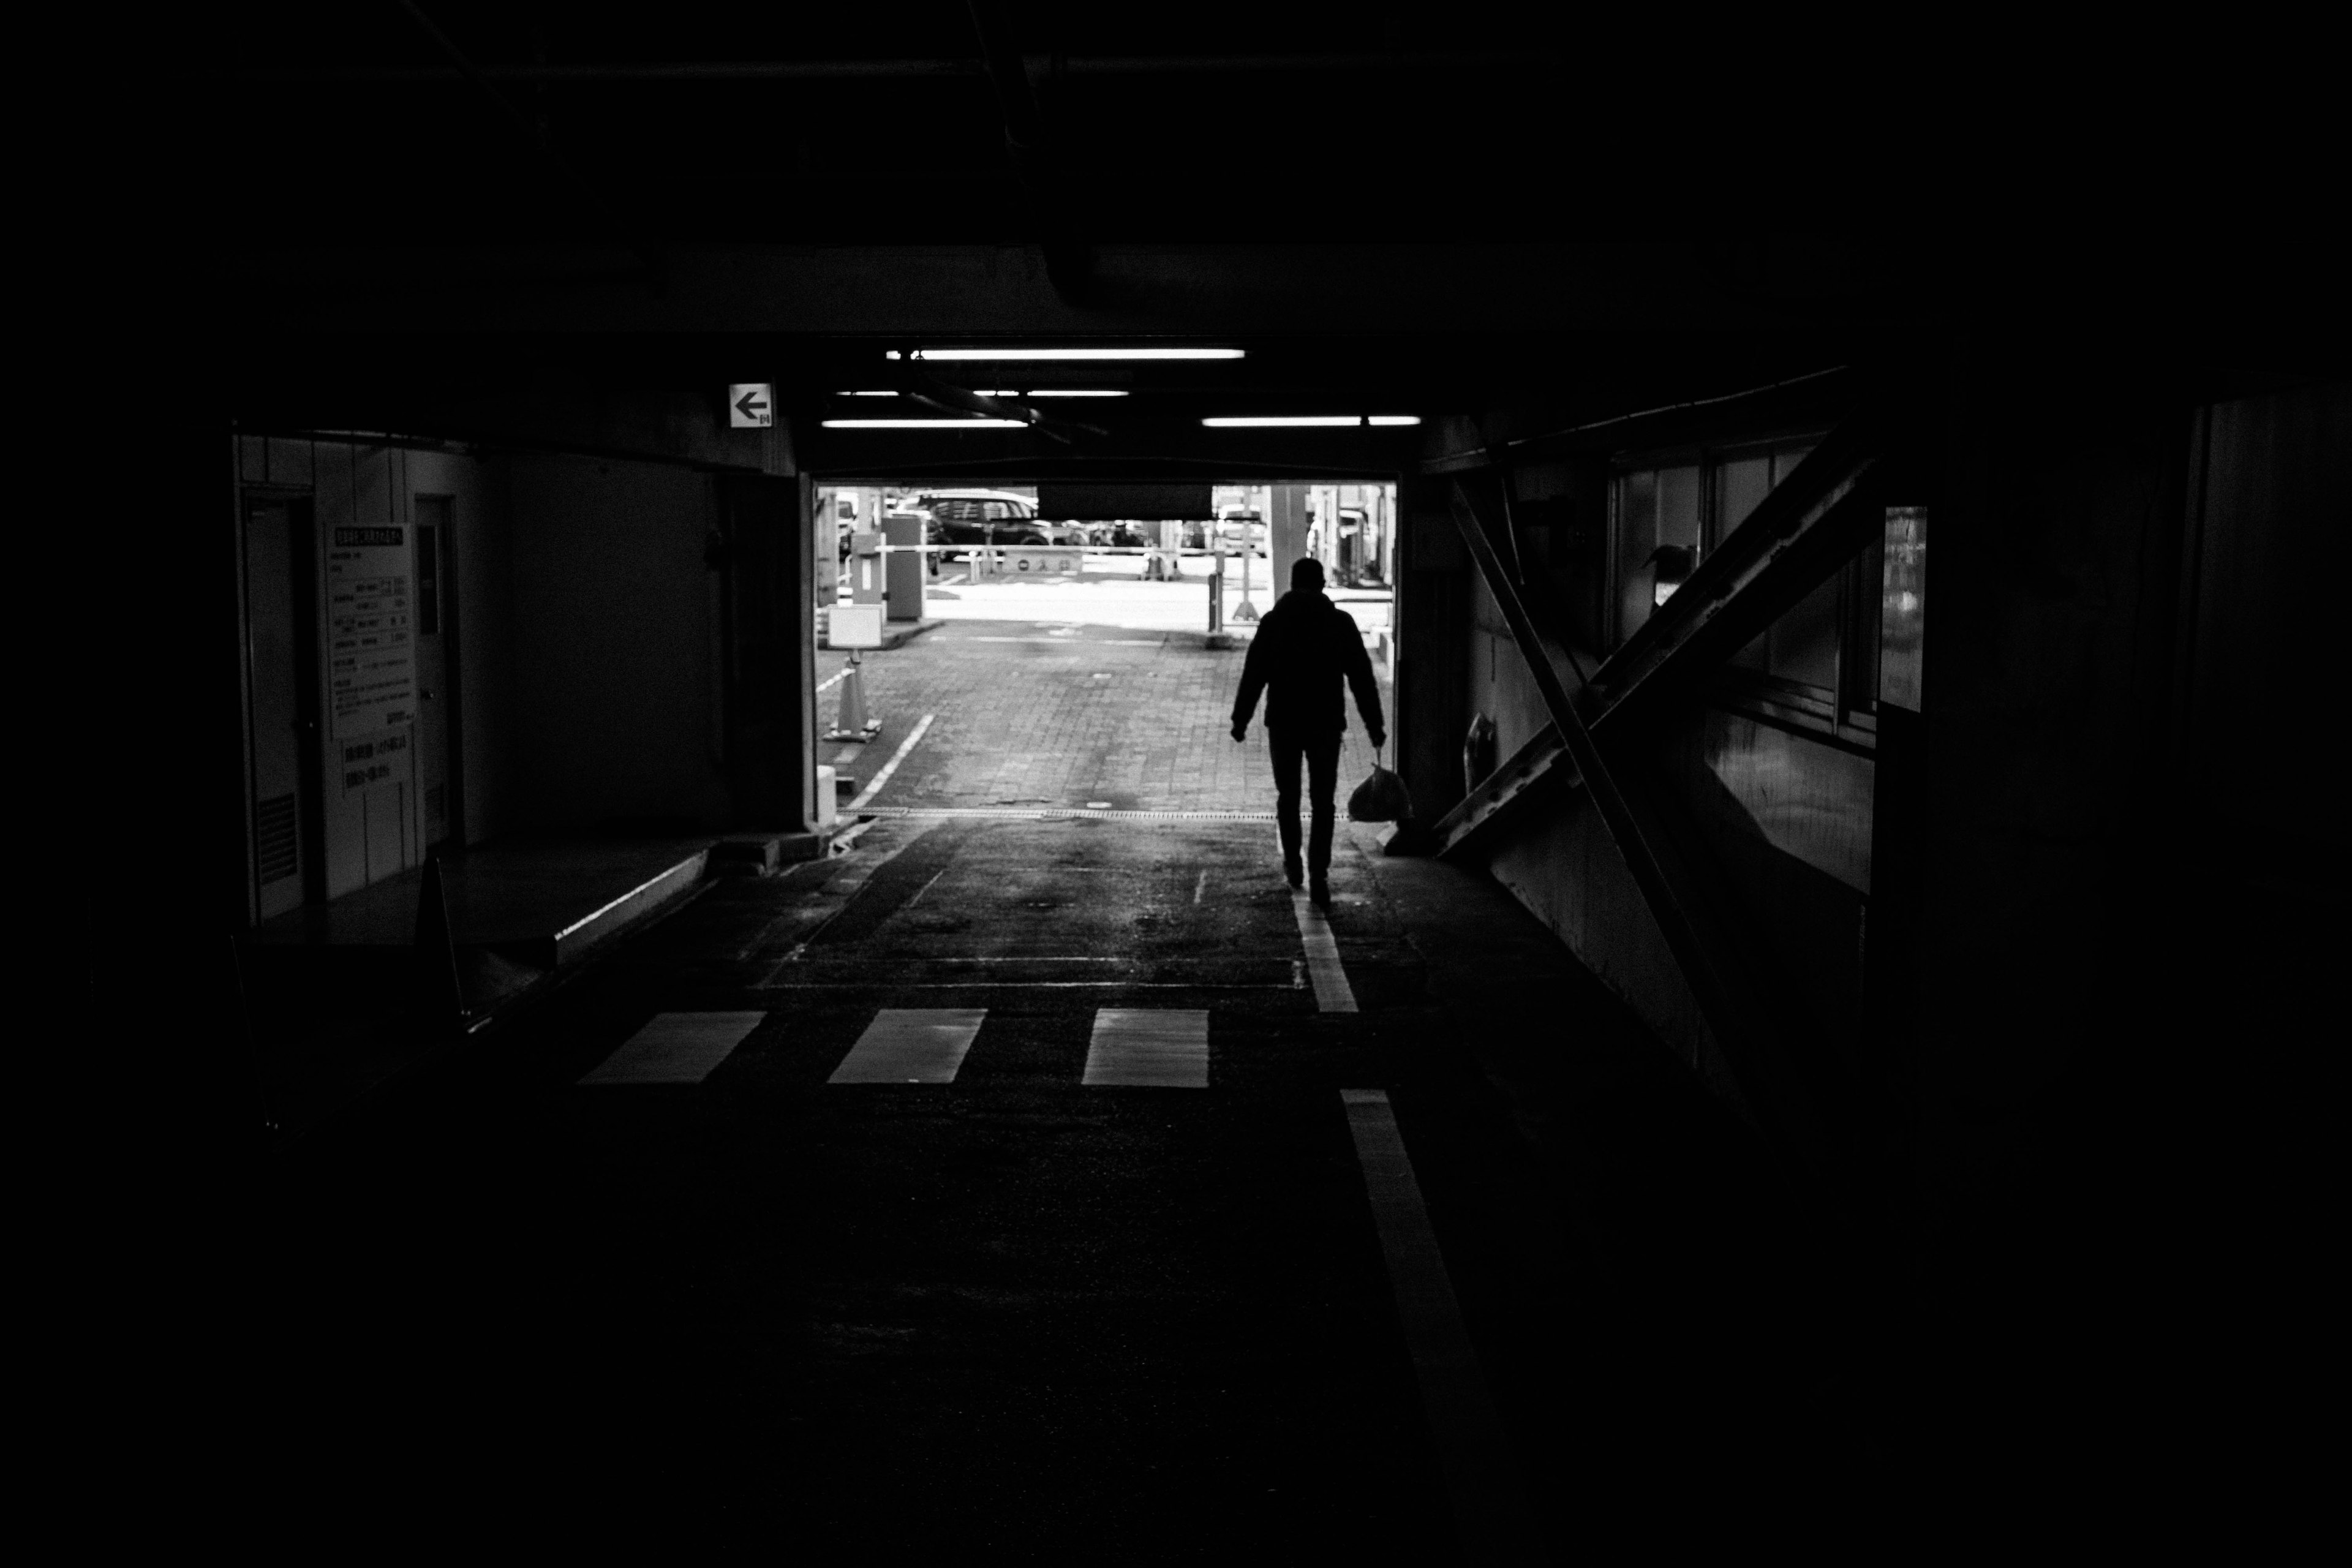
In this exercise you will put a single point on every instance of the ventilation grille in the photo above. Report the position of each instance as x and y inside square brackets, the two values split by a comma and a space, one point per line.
[437, 803]
[274, 837]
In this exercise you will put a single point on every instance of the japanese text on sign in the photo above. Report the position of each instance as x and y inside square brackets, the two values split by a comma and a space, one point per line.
[370, 657]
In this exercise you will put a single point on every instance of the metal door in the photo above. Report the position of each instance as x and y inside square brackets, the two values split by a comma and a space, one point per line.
[281, 672]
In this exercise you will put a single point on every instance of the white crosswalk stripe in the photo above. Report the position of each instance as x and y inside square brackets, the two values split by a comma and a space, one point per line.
[1149, 1049]
[911, 1045]
[676, 1047]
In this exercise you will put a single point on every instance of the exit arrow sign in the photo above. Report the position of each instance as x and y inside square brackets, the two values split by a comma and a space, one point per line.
[750, 405]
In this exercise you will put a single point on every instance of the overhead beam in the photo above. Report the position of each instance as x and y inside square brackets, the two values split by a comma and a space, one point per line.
[1796, 395]
[1690, 920]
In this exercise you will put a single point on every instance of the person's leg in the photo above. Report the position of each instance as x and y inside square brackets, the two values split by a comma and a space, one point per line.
[1285, 750]
[1322, 788]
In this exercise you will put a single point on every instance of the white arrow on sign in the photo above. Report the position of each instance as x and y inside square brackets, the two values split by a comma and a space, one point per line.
[750, 405]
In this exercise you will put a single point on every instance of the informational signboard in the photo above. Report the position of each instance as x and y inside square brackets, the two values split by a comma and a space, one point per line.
[750, 405]
[366, 762]
[370, 646]
[854, 625]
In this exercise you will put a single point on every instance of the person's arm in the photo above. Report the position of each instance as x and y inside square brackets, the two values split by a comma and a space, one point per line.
[1252, 683]
[1360, 679]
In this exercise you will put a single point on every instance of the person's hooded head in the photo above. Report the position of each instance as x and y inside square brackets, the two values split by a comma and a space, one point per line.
[1306, 575]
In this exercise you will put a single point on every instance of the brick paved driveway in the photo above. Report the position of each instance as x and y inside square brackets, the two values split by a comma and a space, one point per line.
[1051, 713]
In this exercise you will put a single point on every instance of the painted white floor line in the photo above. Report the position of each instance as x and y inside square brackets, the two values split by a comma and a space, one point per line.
[883, 776]
[1482, 1474]
[911, 1045]
[677, 1048]
[1136, 1047]
[1331, 991]
[1078, 642]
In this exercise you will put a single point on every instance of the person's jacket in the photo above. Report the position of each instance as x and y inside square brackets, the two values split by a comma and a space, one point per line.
[1305, 653]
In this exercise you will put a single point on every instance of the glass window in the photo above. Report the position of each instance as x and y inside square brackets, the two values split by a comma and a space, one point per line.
[1667, 517]
[1903, 607]
[1804, 642]
[1637, 538]
[1803, 646]
[1678, 492]
[1739, 484]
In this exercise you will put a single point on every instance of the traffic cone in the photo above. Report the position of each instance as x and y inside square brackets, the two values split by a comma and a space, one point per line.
[850, 722]
[439, 994]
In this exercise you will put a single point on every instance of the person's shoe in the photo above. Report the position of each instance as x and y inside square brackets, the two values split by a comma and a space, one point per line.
[1293, 872]
[1320, 891]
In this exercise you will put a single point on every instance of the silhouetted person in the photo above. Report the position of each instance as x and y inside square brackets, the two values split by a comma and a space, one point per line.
[1306, 655]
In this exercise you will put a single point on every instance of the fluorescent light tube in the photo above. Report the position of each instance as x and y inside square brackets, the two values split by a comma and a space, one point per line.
[924, 425]
[1269, 421]
[1069, 353]
[1056, 392]
[1261, 421]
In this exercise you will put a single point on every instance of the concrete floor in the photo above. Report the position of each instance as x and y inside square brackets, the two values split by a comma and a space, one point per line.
[1016, 1316]
[1013, 1313]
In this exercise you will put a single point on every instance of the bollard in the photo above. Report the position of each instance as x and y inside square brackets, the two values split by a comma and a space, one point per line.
[1216, 593]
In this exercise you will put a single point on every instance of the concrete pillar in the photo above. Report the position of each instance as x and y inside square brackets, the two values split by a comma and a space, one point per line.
[1286, 531]
[1433, 622]
[767, 688]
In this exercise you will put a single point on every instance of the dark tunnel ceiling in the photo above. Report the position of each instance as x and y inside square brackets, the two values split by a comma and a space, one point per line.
[1694, 209]
[879, 124]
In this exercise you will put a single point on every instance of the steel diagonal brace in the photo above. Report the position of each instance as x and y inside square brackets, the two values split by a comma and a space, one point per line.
[1728, 998]
[1809, 525]
[1802, 532]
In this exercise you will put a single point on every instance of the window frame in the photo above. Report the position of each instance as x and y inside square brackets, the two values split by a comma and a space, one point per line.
[1844, 714]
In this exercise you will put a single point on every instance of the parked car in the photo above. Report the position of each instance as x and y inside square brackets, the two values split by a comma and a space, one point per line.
[1235, 526]
[978, 516]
